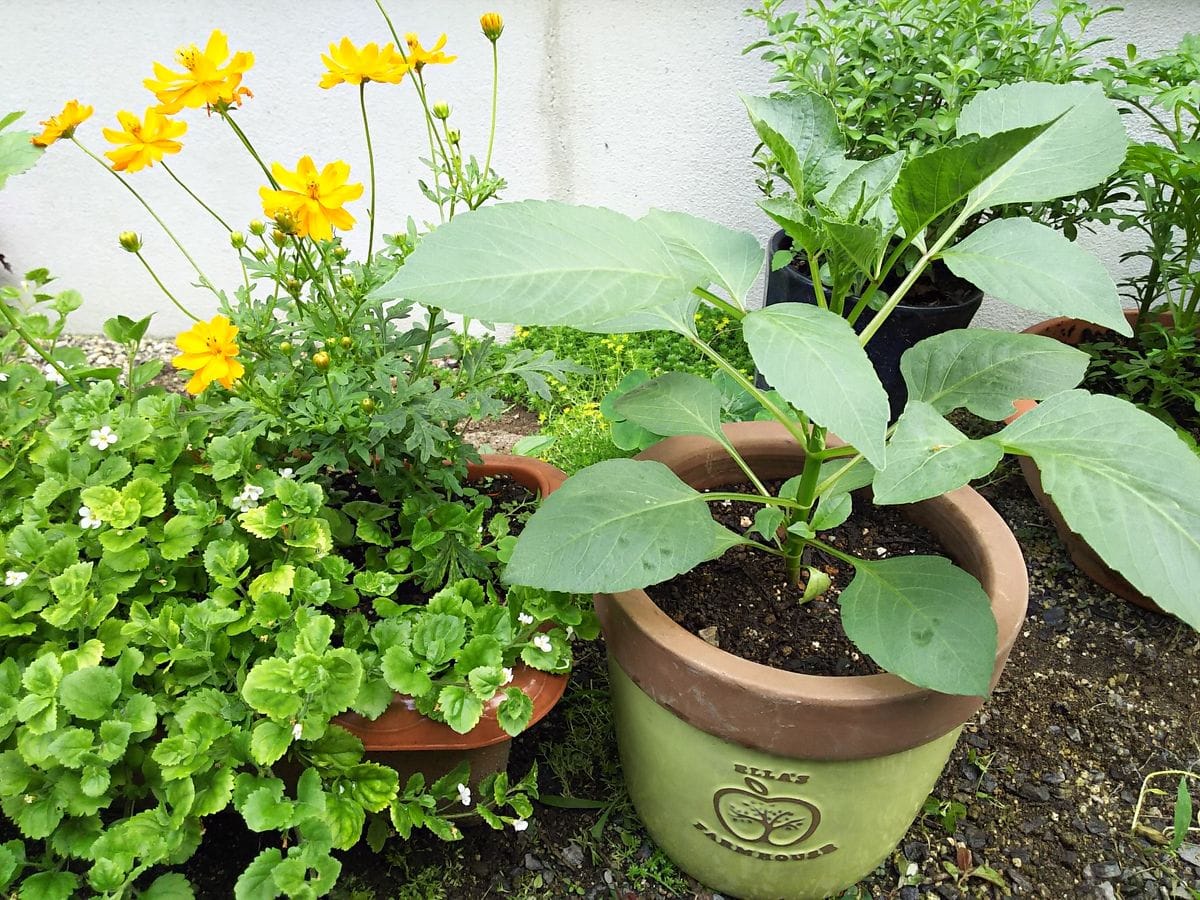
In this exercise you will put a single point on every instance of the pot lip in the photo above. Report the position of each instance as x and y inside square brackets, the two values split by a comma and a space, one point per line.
[974, 301]
[401, 727]
[1004, 578]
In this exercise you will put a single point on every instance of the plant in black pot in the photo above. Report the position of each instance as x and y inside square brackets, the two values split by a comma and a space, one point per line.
[895, 76]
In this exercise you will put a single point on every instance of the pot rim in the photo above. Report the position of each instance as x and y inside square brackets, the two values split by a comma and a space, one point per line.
[787, 713]
[401, 727]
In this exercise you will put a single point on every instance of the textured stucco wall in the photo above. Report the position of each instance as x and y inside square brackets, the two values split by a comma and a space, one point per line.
[627, 103]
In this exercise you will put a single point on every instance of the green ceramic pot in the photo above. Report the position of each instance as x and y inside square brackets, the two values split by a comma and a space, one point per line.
[769, 785]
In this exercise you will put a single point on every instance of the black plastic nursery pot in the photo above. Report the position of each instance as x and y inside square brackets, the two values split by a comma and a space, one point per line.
[906, 326]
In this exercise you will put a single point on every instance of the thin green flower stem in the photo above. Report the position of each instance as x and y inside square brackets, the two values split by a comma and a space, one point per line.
[327, 268]
[453, 170]
[249, 147]
[767, 500]
[814, 273]
[762, 399]
[434, 314]
[721, 303]
[35, 346]
[835, 552]
[302, 254]
[183, 309]
[362, 105]
[487, 164]
[161, 224]
[210, 210]
[430, 131]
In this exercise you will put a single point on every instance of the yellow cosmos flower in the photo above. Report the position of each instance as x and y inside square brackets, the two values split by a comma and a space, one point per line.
[209, 77]
[143, 143]
[314, 201]
[492, 24]
[348, 65]
[418, 56]
[209, 351]
[64, 124]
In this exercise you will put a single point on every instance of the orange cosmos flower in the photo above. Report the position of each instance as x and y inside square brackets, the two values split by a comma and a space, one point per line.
[352, 66]
[64, 124]
[313, 200]
[209, 78]
[209, 351]
[418, 56]
[143, 143]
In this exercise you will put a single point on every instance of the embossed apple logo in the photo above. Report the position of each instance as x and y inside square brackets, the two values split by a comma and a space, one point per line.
[755, 817]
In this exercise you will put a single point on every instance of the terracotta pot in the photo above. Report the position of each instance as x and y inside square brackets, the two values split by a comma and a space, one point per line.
[705, 735]
[1075, 332]
[408, 741]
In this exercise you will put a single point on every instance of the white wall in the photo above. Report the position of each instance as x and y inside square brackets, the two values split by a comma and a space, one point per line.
[627, 103]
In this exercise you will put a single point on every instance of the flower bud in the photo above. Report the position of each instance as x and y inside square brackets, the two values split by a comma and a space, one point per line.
[285, 347]
[130, 241]
[453, 136]
[441, 110]
[278, 238]
[285, 221]
[340, 253]
[346, 343]
[260, 253]
[492, 25]
[257, 227]
[367, 404]
[347, 281]
[329, 343]
[321, 360]
[237, 239]
[292, 286]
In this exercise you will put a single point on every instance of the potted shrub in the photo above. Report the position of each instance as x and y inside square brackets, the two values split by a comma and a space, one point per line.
[244, 597]
[895, 77]
[1158, 186]
[795, 785]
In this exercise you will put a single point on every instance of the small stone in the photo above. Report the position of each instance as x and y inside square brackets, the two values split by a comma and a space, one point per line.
[1103, 892]
[1102, 871]
[1056, 777]
[532, 863]
[908, 892]
[572, 855]
[1054, 616]
[608, 877]
[1190, 853]
[1017, 880]
[709, 635]
[1033, 792]
[948, 892]
[916, 851]
[1074, 735]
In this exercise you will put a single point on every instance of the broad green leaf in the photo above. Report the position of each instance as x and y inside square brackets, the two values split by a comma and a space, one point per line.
[1084, 144]
[674, 404]
[927, 457]
[832, 511]
[269, 741]
[540, 263]
[514, 712]
[373, 785]
[461, 708]
[49, 886]
[861, 194]
[729, 258]
[616, 525]
[935, 182]
[278, 581]
[1127, 484]
[985, 371]
[813, 358]
[148, 496]
[180, 536]
[403, 675]
[801, 223]
[1035, 267]
[90, 693]
[862, 245]
[1182, 819]
[270, 689]
[801, 130]
[172, 886]
[481, 650]
[924, 619]
[678, 315]
[267, 810]
[16, 154]
[224, 559]
[256, 882]
[438, 637]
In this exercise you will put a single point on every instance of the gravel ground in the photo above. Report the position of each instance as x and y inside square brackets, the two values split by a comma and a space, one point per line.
[1036, 801]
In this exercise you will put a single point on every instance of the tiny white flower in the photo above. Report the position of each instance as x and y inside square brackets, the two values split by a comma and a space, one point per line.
[103, 437]
[3, 377]
[88, 519]
[286, 473]
[464, 794]
[52, 374]
[253, 491]
[508, 675]
[520, 824]
[542, 642]
[13, 578]
[525, 618]
[297, 728]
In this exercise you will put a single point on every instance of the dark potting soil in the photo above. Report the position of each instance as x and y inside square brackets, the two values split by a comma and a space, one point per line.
[745, 603]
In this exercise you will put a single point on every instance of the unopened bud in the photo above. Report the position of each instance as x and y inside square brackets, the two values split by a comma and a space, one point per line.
[130, 241]
[492, 25]
[285, 221]
[257, 228]
[346, 343]
[321, 360]
[441, 110]
[237, 239]
[340, 253]
[260, 253]
[285, 347]
[367, 404]
[292, 286]
[347, 281]
[278, 238]
[453, 136]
